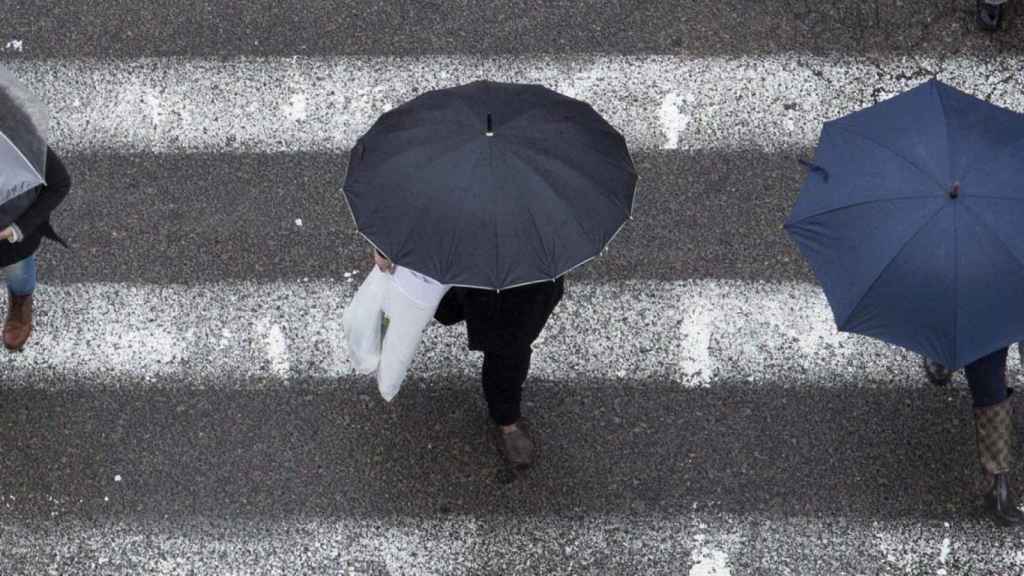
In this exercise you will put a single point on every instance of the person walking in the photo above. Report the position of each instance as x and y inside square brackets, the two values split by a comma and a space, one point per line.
[503, 325]
[939, 375]
[908, 213]
[496, 190]
[19, 242]
[993, 426]
[994, 434]
[991, 13]
[33, 182]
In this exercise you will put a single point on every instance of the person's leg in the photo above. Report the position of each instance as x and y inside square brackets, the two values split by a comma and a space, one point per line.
[503, 375]
[993, 424]
[937, 373]
[21, 276]
[990, 13]
[21, 282]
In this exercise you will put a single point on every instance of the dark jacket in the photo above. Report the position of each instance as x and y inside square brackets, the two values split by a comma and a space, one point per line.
[34, 223]
[509, 320]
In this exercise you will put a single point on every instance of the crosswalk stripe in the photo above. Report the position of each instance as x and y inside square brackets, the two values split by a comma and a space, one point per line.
[696, 544]
[773, 103]
[691, 333]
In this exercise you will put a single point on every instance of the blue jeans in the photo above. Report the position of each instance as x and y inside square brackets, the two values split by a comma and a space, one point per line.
[21, 276]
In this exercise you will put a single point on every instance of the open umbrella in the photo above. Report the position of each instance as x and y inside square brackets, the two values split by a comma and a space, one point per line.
[490, 185]
[22, 147]
[912, 218]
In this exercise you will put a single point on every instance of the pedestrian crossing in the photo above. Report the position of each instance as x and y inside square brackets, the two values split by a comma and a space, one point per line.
[693, 422]
[693, 333]
[773, 103]
[466, 545]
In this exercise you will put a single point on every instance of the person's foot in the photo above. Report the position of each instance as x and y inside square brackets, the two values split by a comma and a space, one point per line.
[516, 445]
[937, 373]
[1000, 504]
[989, 15]
[18, 325]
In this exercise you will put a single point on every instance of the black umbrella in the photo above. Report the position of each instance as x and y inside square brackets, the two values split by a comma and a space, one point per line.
[491, 185]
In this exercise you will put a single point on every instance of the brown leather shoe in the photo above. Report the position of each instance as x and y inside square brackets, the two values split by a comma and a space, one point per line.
[18, 325]
[516, 445]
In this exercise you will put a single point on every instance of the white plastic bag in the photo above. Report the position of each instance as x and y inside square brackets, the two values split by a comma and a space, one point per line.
[409, 303]
[408, 300]
[361, 322]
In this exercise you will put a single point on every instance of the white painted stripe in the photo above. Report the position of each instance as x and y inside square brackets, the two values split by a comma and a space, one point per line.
[695, 333]
[696, 544]
[772, 102]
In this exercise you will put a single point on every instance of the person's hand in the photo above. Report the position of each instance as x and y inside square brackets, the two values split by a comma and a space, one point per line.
[383, 263]
[7, 234]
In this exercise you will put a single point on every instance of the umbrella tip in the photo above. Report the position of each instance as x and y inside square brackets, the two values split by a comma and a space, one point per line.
[490, 127]
[954, 192]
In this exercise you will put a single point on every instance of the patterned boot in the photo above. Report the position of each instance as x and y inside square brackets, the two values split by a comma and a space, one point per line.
[993, 427]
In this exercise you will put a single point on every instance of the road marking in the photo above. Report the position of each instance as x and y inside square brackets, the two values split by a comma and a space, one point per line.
[694, 544]
[692, 334]
[773, 103]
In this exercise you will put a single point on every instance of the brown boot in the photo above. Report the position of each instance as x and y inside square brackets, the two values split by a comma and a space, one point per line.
[993, 427]
[516, 445]
[18, 325]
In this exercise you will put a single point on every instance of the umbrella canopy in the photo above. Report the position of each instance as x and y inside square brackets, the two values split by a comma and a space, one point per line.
[912, 218]
[22, 147]
[491, 185]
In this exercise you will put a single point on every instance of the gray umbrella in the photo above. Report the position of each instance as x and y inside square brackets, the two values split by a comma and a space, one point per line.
[22, 147]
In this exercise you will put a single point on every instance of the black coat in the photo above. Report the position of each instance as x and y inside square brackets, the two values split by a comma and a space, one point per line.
[34, 223]
[509, 320]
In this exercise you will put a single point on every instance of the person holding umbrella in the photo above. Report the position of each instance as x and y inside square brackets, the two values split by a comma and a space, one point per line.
[497, 190]
[910, 218]
[27, 199]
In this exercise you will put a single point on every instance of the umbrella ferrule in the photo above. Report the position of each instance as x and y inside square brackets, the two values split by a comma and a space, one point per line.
[954, 192]
[490, 126]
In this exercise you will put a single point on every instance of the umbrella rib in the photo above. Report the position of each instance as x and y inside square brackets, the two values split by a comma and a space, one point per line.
[1009, 148]
[945, 125]
[423, 199]
[27, 163]
[554, 194]
[956, 284]
[536, 228]
[855, 205]
[994, 233]
[893, 152]
[586, 176]
[1008, 198]
[583, 144]
[842, 325]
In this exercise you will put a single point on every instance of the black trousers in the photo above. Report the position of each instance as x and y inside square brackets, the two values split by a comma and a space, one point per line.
[503, 326]
[503, 376]
[987, 378]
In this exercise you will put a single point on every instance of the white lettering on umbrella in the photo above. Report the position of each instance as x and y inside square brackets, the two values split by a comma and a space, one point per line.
[14, 46]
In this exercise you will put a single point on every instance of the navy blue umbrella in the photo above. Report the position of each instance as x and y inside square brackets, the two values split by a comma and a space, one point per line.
[912, 218]
[490, 185]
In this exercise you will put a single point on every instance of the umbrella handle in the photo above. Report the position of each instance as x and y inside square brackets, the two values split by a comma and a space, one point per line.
[814, 168]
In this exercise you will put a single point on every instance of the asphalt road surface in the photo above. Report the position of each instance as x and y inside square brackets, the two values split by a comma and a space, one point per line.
[177, 412]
